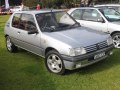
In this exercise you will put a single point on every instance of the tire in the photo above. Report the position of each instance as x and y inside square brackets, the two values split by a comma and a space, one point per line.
[10, 46]
[116, 40]
[54, 62]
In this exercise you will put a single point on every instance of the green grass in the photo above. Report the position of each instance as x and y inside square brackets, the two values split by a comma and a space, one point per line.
[26, 71]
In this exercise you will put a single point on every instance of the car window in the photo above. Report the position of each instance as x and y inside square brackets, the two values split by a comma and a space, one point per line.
[16, 20]
[55, 21]
[91, 15]
[27, 22]
[111, 14]
[76, 14]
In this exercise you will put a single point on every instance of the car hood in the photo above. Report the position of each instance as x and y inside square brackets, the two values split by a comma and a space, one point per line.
[78, 37]
[117, 22]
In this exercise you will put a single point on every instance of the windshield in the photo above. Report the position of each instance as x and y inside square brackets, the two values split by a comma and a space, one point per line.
[117, 8]
[55, 21]
[111, 14]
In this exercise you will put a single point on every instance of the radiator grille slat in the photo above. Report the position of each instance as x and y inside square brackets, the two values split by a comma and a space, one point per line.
[96, 47]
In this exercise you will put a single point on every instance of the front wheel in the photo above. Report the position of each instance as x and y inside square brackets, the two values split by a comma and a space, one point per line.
[116, 40]
[54, 62]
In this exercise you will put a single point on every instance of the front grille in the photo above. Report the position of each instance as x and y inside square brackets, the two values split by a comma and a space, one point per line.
[103, 44]
[96, 47]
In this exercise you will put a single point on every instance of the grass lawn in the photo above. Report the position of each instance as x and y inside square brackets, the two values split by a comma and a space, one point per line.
[26, 71]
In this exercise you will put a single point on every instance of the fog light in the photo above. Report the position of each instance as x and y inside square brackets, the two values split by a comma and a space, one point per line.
[78, 65]
[111, 53]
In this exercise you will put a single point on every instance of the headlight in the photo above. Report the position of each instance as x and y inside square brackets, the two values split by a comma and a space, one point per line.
[109, 41]
[77, 51]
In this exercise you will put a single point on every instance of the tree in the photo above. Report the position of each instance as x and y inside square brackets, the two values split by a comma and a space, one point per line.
[30, 3]
[86, 2]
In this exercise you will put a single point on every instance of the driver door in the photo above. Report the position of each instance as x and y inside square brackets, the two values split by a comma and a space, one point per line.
[30, 42]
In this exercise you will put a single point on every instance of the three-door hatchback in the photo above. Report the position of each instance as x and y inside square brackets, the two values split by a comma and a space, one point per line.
[58, 38]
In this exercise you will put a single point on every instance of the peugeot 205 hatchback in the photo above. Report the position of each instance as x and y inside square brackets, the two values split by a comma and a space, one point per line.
[58, 38]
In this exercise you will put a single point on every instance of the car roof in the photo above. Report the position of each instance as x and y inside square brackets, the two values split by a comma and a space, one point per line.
[107, 5]
[39, 11]
[85, 8]
[89, 7]
[72, 9]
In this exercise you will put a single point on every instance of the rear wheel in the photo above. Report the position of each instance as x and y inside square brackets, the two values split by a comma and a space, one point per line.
[116, 40]
[10, 46]
[54, 62]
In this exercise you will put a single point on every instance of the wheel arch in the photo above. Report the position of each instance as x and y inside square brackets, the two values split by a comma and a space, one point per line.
[114, 32]
[49, 49]
[6, 35]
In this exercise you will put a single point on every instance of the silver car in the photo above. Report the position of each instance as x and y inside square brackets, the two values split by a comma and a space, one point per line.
[105, 20]
[55, 36]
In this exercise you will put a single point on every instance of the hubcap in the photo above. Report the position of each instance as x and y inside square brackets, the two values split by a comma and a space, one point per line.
[54, 63]
[116, 41]
[9, 44]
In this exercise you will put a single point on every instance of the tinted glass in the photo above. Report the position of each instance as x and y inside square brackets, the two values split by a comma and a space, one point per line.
[16, 20]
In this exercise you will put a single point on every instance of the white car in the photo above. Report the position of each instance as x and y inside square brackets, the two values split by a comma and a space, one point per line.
[16, 8]
[105, 20]
[115, 6]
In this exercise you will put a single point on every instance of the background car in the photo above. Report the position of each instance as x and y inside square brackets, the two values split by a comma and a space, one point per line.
[115, 6]
[105, 20]
[2, 9]
[58, 38]
[16, 8]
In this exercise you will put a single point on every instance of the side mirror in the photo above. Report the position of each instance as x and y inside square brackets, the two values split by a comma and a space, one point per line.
[101, 20]
[33, 32]
[52, 28]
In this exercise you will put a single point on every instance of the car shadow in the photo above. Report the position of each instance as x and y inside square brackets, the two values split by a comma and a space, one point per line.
[100, 66]
[37, 70]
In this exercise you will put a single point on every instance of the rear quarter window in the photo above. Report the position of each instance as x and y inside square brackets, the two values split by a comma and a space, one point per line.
[27, 22]
[16, 20]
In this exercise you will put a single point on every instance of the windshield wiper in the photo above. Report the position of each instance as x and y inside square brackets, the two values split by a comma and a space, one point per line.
[74, 25]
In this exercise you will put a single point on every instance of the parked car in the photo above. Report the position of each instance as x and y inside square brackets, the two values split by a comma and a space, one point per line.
[16, 9]
[105, 20]
[2, 9]
[114, 6]
[58, 38]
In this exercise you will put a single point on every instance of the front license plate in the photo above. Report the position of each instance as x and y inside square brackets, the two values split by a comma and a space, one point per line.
[99, 55]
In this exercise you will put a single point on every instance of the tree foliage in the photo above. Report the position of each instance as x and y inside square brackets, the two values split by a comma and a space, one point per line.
[30, 3]
[53, 3]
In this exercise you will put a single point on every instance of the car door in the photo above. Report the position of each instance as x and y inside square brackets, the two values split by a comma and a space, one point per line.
[14, 28]
[92, 18]
[30, 42]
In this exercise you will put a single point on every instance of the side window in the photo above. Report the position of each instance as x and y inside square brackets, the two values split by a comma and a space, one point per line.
[91, 15]
[16, 20]
[27, 22]
[77, 14]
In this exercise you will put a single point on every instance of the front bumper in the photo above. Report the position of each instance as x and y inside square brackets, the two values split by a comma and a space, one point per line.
[86, 59]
